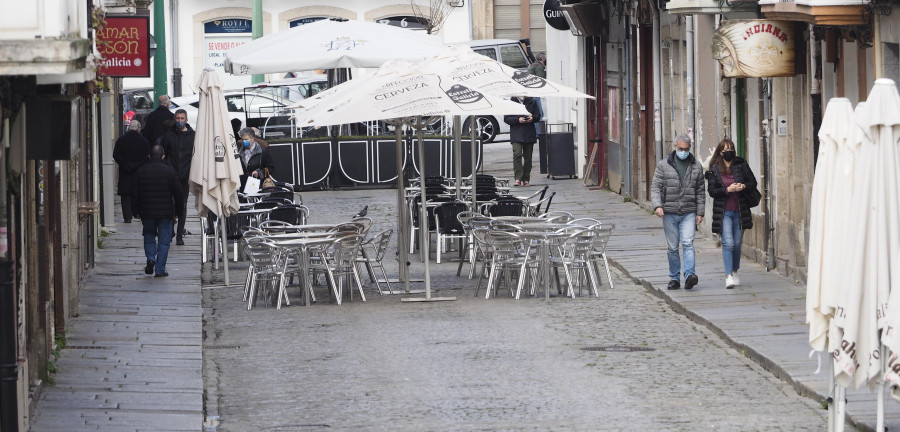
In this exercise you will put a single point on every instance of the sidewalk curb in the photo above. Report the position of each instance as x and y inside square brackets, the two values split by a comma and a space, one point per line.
[746, 350]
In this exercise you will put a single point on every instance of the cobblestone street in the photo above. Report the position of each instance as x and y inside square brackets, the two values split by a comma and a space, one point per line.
[476, 364]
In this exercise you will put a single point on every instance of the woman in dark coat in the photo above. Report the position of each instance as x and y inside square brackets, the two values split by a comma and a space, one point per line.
[254, 157]
[131, 151]
[727, 177]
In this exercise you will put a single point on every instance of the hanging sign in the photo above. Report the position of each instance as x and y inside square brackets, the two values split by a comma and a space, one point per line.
[755, 48]
[228, 25]
[124, 45]
[554, 16]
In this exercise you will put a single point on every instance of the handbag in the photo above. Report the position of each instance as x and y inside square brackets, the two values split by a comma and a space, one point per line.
[752, 196]
[268, 181]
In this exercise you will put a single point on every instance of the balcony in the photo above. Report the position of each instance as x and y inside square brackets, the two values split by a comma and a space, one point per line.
[709, 7]
[819, 12]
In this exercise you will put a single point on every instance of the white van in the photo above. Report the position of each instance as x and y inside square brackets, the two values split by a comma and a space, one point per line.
[513, 53]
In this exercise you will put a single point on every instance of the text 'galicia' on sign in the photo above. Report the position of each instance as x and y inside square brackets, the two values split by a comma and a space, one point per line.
[124, 46]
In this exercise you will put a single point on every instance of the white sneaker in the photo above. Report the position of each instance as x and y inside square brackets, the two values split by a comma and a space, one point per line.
[734, 276]
[729, 282]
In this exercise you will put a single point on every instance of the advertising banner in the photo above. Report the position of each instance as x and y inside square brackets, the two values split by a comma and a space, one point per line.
[755, 48]
[124, 45]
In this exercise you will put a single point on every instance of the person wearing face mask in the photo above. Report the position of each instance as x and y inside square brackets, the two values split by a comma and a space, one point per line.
[678, 196]
[254, 157]
[727, 177]
[178, 143]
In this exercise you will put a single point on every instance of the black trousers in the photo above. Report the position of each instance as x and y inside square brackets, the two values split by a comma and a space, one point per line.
[127, 212]
[185, 189]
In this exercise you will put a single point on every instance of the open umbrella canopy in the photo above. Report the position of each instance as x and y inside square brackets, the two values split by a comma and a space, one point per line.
[464, 66]
[400, 89]
[328, 44]
[215, 169]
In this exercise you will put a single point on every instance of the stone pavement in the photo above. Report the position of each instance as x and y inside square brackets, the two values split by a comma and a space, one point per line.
[132, 360]
[134, 355]
[764, 318]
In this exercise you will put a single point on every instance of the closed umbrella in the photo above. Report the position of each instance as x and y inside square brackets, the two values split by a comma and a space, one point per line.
[215, 169]
[328, 44]
[828, 207]
[870, 256]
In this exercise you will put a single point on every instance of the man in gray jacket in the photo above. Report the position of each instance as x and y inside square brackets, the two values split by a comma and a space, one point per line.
[678, 194]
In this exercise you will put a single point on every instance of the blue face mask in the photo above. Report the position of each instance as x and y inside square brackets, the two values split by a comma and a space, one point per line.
[682, 154]
[246, 143]
[180, 124]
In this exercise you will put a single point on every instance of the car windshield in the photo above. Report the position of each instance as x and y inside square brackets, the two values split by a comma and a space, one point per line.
[513, 57]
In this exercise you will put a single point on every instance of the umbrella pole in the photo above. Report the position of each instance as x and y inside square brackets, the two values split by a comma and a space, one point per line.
[457, 154]
[221, 219]
[474, 144]
[879, 390]
[423, 219]
[402, 241]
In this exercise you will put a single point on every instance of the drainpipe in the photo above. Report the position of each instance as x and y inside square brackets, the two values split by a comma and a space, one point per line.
[657, 91]
[667, 43]
[626, 177]
[689, 82]
[176, 61]
[257, 33]
[766, 131]
[160, 86]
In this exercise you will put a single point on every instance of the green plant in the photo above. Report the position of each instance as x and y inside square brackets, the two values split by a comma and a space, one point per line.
[100, 244]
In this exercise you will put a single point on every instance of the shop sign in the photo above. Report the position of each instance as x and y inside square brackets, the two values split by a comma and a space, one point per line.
[301, 21]
[554, 15]
[228, 25]
[124, 46]
[755, 48]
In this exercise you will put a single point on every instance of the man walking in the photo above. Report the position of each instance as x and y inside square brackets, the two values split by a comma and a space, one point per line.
[678, 194]
[539, 67]
[522, 135]
[155, 122]
[159, 200]
[131, 151]
[178, 143]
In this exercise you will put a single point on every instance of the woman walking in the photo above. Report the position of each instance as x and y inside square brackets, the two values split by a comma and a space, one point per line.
[728, 176]
[254, 157]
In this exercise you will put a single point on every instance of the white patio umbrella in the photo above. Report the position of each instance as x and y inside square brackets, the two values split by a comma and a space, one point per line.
[828, 209]
[328, 44]
[215, 169]
[464, 66]
[875, 239]
[403, 90]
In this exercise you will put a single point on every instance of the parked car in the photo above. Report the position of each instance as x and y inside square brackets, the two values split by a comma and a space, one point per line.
[136, 104]
[253, 107]
[515, 54]
[296, 89]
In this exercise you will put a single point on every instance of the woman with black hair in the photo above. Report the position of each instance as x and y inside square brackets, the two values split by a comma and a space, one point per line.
[728, 176]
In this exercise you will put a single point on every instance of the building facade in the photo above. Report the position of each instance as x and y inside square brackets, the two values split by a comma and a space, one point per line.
[48, 187]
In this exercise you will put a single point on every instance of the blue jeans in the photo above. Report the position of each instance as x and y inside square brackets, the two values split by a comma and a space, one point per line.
[732, 236]
[160, 228]
[679, 230]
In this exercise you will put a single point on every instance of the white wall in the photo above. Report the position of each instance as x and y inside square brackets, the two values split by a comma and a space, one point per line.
[190, 33]
[566, 65]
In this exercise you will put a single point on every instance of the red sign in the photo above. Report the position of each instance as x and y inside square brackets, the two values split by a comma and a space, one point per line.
[124, 45]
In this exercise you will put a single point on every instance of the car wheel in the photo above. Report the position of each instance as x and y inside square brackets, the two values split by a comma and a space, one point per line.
[486, 127]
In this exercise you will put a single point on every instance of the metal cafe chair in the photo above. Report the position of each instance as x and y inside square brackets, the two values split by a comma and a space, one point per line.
[574, 256]
[371, 253]
[534, 208]
[603, 233]
[507, 206]
[470, 221]
[340, 261]
[447, 225]
[508, 256]
[291, 213]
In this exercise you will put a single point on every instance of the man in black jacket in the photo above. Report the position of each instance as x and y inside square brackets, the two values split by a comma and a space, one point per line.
[178, 142]
[523, 135]
[154, 123]
[159, 201]
[131, 151]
